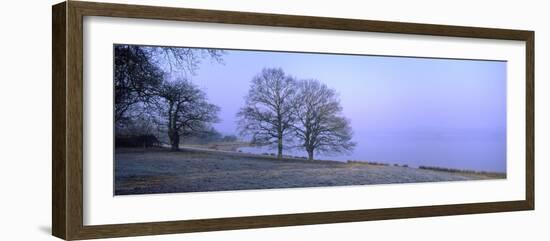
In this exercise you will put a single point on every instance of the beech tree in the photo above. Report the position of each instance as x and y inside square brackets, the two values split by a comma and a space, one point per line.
[269, 107]
[184, 110]
[320, 126]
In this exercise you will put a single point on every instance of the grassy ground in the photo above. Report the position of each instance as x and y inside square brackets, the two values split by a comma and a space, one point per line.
[148, 171]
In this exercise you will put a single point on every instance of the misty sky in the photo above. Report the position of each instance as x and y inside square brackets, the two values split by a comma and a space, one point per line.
[402, 101]
[377, 93]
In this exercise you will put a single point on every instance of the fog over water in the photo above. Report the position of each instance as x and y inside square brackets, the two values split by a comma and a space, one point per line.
[415, 111]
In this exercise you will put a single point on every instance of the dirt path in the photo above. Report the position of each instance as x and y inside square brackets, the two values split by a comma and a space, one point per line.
[198, 170]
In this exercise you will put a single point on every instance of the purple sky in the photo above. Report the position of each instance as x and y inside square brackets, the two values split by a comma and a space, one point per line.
[406, 100]
[377, 93]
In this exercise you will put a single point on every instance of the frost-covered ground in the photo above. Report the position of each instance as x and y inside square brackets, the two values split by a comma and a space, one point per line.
[194, 170]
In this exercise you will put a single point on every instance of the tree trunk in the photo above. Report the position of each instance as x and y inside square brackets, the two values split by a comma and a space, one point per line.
[310, 155]
[174, 140]
[279, 135]
[280, 147]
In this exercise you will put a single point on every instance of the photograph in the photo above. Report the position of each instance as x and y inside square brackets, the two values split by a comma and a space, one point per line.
[193, 119]
[173, 119]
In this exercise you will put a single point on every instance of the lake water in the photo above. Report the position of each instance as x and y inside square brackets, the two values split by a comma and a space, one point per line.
[460, 150]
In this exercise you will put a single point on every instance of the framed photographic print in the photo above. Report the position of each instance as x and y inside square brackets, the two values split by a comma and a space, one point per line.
[171, 120]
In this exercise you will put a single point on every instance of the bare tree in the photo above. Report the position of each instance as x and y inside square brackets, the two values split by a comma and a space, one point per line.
[268, 111]
[184, 110]
[136, 78]
[140, 70]
[186, 60]
[320, 126]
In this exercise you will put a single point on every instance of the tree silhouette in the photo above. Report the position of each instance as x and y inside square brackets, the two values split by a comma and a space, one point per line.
[145, 96]
[140, 70]
[184, 110]
[136, 77]
[268, 111]
[320, 126]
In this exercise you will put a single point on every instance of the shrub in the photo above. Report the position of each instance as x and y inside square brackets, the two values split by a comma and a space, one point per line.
[145, 141]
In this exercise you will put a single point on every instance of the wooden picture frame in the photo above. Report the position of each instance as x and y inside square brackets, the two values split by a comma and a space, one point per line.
[67, 124]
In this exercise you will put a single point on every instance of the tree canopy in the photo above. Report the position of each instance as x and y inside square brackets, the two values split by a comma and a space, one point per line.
[320, 126]
[147, 96]
[269, 106]
[280, 109]
[136, 78]
[184, 110]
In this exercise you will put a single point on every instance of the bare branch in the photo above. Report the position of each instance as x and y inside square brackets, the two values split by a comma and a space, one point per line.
[320, 126]
[268, 112]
